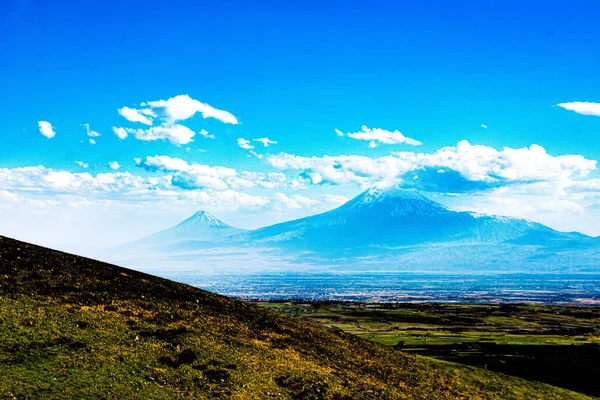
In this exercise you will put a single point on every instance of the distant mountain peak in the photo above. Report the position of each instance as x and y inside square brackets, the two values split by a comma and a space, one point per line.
[201, 226]
[204, 218]
[395, 201]
[394, 192]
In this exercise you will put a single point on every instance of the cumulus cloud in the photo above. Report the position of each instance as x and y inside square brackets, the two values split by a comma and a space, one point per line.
[334, 200]
[46, 129]
[227, 199]
[244, 144]
[114, 165]
[120, 132]
[183, 107]
[266, 142]
[190, 176]
[92, 141]
[135, 115]
[380, 136]
[41, 187]
[162, 163]
[248, 179]
[582, 107]
[457, 169]
[90, 132]
[82, 164]
[207, 135]
[294, 201]
[42, 180]
[281, 201]
[589, 185]
[168, 112]
[176, 134]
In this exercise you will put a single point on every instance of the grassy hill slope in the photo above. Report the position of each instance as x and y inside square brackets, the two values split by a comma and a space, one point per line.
[71, 327]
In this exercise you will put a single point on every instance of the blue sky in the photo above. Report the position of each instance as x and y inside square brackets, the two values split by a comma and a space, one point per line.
[493, 75]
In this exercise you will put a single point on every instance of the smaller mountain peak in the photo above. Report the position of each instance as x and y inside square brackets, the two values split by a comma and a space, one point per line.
[202, 213]
[203, 217]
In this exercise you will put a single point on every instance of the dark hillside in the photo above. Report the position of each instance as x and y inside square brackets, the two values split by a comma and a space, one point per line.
[71, 327]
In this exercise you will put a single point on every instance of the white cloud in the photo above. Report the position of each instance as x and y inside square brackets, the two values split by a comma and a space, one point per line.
[114, 165]
[225, 200]
[120, 132]
[298, 184]
[168, 112]
[8, 197]
[381, 136]
[82, 164]
[334, 200]
[183, 107]
[281, 201]
[163, 163]
[294, 201]
[92, 141]
[46, 129]
[590, 185]
[43, 180]
[244, 144]
[582, 107]
[193, 176]
[90, 132]
[187, 182]
[135, 115]
[207, 135]
[484, 126]
[247, 179]
[372, 145]
[472, 163]
[176, 134]
[559, 206]
[266, 142]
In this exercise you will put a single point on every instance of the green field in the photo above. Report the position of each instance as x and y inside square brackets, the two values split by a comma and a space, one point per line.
[557, 345]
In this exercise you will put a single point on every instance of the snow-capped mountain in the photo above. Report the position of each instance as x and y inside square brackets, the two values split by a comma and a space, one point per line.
[201, 226]
[394, 217]
[380, 228]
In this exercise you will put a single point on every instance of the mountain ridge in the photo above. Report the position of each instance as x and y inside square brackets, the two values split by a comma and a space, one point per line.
[396, 217]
